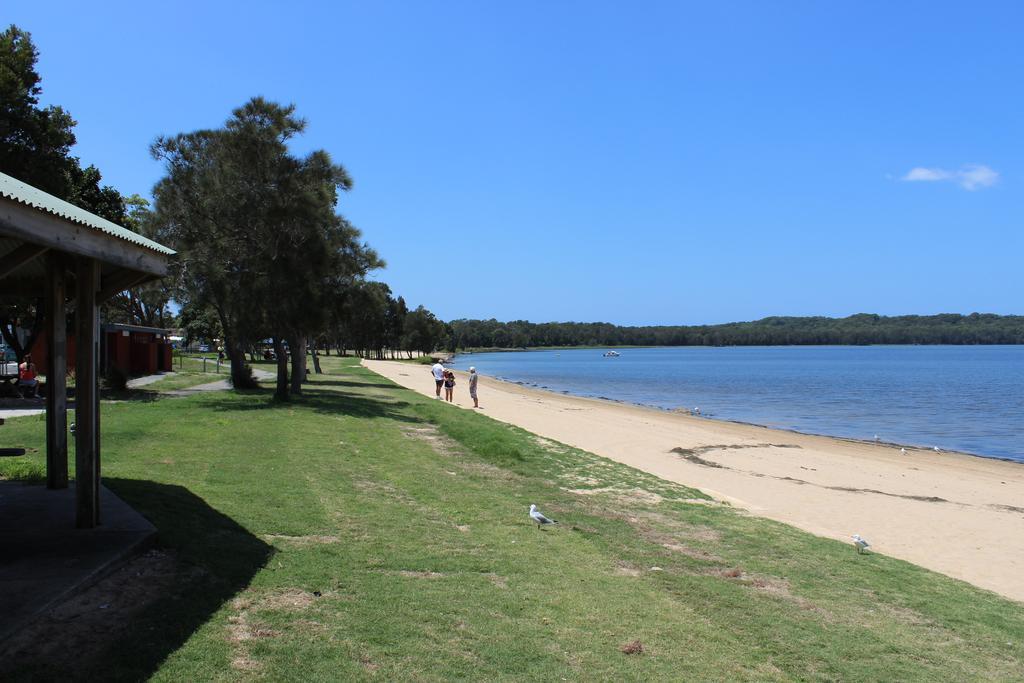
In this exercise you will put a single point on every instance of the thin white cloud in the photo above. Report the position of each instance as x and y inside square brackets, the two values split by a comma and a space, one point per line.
[970, 176]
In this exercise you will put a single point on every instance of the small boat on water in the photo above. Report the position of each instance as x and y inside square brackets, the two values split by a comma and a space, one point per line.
[612, 354]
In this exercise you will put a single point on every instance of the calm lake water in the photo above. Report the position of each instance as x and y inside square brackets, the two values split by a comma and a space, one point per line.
[963, 398]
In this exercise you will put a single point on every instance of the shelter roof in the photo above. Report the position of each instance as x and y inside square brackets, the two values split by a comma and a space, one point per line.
[34, 223]
[11, 188]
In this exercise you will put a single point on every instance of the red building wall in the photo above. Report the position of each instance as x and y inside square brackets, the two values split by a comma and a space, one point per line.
[138, 353]
[143, 353]
[41, 351]
[166, 356]
[119, 352]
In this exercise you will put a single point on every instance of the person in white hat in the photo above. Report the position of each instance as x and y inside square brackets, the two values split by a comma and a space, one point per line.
[473, 377]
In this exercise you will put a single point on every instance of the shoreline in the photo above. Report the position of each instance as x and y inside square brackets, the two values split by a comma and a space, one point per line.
[857, 432]
[955, 513]
[724, 420]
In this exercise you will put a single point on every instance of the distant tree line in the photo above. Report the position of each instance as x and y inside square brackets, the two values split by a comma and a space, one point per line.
[860, 329]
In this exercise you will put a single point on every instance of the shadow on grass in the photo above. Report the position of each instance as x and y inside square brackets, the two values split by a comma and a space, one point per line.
[323, 401]
[218, 556]
[139, 395]
[349, 383]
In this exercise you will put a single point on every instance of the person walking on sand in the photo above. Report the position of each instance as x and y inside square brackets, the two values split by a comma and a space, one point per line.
[449, 385]
[438, 372]
[473, 377]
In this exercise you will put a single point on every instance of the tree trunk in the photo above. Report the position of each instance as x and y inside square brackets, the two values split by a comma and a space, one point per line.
[9, 327]
[316, 357]
[281, 393]
[241, 377]
[297, 348]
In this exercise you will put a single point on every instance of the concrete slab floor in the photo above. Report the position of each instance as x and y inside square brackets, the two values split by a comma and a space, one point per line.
[44, 558]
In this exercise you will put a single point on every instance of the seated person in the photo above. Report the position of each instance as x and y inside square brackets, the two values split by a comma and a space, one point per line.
[27, 380]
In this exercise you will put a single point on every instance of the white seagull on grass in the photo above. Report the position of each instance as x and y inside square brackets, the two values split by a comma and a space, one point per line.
[539, 518]
[861, 544]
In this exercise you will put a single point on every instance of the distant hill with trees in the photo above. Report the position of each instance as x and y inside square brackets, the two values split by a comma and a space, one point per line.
[860, 329]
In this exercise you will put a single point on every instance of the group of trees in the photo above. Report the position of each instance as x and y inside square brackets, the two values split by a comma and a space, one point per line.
[260, 242]
[864, 328]
[262, 251]
[371, 322]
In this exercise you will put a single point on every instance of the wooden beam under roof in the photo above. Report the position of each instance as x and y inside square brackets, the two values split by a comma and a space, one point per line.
[22, 255]
[119, 281]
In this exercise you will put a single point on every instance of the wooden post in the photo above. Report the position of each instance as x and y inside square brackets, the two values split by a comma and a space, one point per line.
[87, 470]
[56, 375]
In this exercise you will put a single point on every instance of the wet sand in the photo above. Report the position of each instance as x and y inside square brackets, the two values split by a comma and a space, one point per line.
[956, 514]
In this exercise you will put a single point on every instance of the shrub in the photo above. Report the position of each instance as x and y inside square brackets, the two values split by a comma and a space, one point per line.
[248, 381]
[116, 379]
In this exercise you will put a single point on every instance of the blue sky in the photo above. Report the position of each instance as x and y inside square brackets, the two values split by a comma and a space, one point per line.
[638, 163]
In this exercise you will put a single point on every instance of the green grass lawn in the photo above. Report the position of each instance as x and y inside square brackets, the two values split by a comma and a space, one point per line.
[196, 364]
[183, 380]
[365, 532]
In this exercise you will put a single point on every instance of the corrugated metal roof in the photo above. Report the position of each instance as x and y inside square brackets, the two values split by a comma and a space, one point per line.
[10, 188]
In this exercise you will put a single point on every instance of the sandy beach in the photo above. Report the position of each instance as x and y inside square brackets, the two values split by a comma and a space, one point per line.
[956, 514]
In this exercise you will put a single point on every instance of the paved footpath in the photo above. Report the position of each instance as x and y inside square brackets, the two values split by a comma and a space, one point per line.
[219, 385]
[148, 379]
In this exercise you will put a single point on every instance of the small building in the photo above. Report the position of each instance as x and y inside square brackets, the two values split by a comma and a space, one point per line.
[136, 350]
[133, 349]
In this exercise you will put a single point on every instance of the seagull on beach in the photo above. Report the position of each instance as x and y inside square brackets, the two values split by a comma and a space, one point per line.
[903, 451]
[861, 544]
[539, 518]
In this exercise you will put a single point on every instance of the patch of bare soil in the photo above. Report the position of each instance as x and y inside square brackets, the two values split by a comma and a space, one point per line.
[634, 495]
[431, 435]
[368, 663]
[498, 580]
[288, 599]
[70, 635]
[243, 627]
[769, 585]
[694, 553]
[627, 570]
[647, 521]
[421, 575]
[301, 541]
[447, 446]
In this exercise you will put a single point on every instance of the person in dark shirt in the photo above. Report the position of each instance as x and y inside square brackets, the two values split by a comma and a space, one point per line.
[449, 385]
